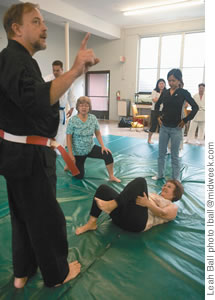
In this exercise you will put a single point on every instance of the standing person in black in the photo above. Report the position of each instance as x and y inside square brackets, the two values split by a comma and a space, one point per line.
[172, 122]
[160, 87]
[29, 107]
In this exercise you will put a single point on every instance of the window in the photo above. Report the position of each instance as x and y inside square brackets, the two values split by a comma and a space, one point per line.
[148, 63]
[98, 89]
[170, 55]
[193, 65]
[170, 52]
[158, 55]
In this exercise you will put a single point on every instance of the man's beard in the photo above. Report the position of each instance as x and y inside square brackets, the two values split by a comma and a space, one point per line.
[38, 46]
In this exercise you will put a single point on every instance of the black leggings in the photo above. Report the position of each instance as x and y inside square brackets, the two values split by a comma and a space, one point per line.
[96, 152]
[128, 215]
[154, 121]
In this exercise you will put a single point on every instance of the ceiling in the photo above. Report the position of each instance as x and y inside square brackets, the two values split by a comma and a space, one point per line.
[96, 15]
[111, 11]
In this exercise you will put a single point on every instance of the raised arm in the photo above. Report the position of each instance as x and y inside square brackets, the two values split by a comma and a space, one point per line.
[85, 58]
[154, 96]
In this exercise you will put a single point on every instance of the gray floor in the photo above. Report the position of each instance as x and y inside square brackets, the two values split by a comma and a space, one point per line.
[111, 127]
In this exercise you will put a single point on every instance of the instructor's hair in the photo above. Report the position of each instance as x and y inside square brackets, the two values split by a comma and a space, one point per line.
[15, 14]
[179, 190]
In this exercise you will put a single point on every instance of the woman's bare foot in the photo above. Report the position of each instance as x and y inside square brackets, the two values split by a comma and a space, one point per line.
[106, 206]
[74, 270]
[85, 228]
[113, 178]
[19, 283]
[150, 142]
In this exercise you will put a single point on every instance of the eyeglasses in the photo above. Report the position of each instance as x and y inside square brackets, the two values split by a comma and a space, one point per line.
[84, 105]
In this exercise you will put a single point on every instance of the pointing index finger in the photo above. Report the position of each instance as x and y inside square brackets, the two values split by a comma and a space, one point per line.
[84, 41]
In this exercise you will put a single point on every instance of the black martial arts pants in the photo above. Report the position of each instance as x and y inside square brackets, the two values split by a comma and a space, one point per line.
[39, 235]
[128, 215]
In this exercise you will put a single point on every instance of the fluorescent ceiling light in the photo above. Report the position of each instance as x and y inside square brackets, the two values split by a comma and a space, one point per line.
[162, 6]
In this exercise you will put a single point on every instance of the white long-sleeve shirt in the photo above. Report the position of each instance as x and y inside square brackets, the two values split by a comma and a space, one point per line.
[68, 97]
[200, 116]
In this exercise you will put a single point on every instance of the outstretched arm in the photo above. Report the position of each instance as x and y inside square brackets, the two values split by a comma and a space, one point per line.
[85, 58]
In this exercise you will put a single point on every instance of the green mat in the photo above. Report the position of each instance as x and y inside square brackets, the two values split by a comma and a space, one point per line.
[164, 263]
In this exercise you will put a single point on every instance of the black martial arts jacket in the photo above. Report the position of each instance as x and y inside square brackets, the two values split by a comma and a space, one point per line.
[173, 105]
[24, 110]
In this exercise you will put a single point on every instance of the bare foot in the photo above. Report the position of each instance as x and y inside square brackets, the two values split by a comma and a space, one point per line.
[113, 178]
[19, 283]
[150, 142]
[85, 228]
[74, 270]
[106, 206]
[66, 168]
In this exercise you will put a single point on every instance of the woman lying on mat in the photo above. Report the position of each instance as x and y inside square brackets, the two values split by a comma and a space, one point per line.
[80, 131]
[133, 209]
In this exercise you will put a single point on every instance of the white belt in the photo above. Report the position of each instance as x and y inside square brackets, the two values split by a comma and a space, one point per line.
[42, 141]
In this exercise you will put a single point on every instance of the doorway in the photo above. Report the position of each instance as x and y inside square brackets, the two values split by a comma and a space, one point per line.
[98, 90]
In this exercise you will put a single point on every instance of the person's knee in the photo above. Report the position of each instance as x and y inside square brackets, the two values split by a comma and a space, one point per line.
[79, 176]
[103, 192]
[102, 188]
[108, 158]
[140, 180]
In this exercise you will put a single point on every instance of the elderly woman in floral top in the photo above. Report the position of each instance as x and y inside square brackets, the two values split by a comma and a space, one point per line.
[80, 132]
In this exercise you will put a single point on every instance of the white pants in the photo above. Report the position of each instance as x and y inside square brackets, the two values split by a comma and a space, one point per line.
[61, 134]
[192, 130]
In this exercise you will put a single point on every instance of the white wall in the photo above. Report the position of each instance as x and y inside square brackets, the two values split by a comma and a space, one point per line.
[123, 76]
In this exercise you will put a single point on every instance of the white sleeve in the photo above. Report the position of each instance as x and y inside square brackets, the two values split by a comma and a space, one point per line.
[195, 97]
[71, 98]
[155, 94]
[49, 77]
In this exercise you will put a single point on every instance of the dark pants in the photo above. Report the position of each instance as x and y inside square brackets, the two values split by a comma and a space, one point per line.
[38, 224]
[128, 215]
[154, 120]
[96, 152]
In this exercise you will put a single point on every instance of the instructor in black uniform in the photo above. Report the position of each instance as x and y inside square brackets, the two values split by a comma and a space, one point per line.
[29, 107]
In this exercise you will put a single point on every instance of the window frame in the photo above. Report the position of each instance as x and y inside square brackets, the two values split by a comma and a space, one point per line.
[183, 34]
